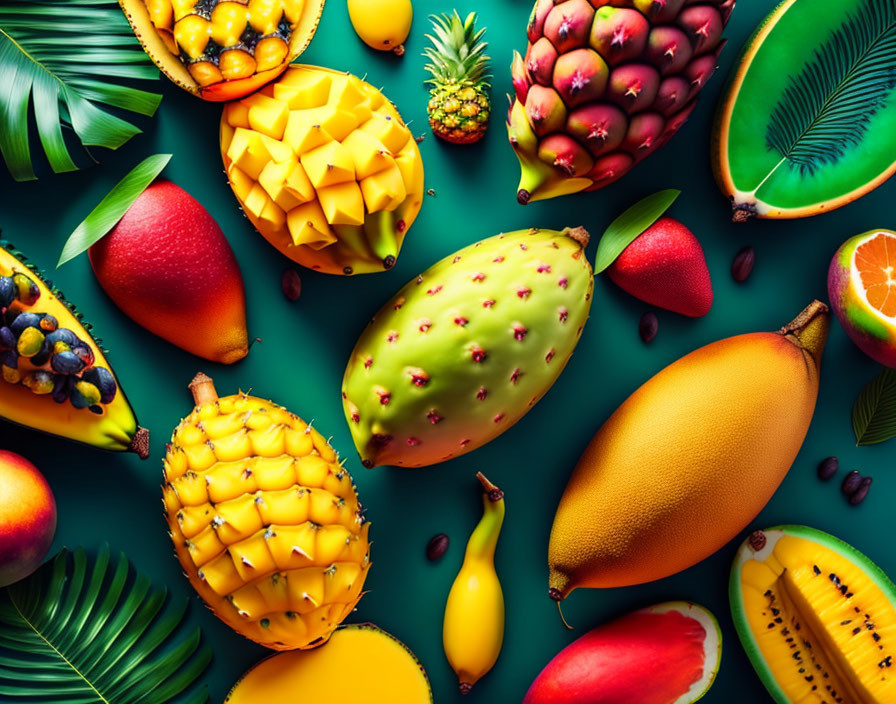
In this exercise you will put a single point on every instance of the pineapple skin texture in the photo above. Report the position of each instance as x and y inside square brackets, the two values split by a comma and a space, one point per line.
[265, 521]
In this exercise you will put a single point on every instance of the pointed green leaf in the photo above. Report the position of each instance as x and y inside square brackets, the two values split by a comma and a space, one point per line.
[113, 207]
[874, 412]
[625, 228]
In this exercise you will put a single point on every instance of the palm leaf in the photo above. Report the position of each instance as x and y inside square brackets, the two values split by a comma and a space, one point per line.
[874, 412]
[827, 108]
[96, 634]
[58, 56]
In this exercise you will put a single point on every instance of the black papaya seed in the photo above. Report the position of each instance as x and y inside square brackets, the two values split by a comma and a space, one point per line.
[23, 321]
[858, 496]
[437, 546]
[63, 335]
[60, 388]
[648, 326]
[48, 323]
[7, 338]
[742, 266]
[102, 379]
[8, 291]
[26, 290]
[43, 356]
[827, 468]
[851, 482]
[66, 362]
[84, 353]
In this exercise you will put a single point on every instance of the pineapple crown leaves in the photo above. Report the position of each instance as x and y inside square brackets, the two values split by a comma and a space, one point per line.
[457, 53]
[96, 632]
[827, 108]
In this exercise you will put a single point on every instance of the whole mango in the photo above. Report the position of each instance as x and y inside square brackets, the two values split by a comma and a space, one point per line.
[464, 350]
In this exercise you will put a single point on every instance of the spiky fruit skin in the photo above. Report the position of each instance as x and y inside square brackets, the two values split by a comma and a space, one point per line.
[168, 266]
[325, 169]
[459, 112]
[645, 59]
[27, 520]
[665, 267]
[464, 350]
[873, 332]
[222, 50]
[265, 521]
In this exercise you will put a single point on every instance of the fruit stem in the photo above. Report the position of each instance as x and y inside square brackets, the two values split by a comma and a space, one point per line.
[562, 618]
[203, 389]
[140, 443]
[809, 330]
[523, 196]
[398, 50]
[465, 687]
[579, 234]
[491, 491]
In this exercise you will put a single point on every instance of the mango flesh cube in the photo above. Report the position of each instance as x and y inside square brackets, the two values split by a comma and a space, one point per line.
[267, 115]
[256, 201]
[328, 165]
[273, 180]
[298, 185]
[240, 182]
[279, 151]
[308, 226]
[346, 93]
[310, 93]
[387, 130]
[272, 217]
[410, 165]
[247, 152]
[236, 114]
[342, 204]
[383, 191]
[304, 132]
[368, 154]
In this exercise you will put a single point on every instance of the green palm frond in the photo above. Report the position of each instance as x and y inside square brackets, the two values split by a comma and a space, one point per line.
[458, 50]
[826, 109]
[95, 634]
[59, 56]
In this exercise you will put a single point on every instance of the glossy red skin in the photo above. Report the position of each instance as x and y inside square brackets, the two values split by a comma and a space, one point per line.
[641, 658]
[27, 517]
[665, 267]
[168, 266]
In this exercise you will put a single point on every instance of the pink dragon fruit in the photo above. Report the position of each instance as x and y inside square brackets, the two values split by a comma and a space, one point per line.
[604, 83]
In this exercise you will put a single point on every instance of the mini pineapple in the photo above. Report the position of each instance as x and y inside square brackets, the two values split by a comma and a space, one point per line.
[265, 520]
[459, 106]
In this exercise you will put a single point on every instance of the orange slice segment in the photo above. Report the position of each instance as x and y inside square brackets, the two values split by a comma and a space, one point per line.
[875, 262]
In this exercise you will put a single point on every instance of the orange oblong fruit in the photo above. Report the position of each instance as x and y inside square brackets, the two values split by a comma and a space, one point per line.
[862, 289]
[689, 459]
[168, 266]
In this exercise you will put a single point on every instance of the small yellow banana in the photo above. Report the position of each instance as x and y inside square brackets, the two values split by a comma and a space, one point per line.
[474, 615]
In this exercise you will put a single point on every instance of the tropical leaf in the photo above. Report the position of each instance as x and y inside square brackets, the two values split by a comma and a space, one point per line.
[96, 634]
[826, 109]
[874, 412]
[625, 228]
[58, 56]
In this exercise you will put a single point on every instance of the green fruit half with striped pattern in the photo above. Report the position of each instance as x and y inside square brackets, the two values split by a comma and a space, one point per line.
[806, 123]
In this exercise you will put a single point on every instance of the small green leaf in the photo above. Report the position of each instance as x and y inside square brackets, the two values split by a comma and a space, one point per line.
[113, 207]
[874, 412]
[624, 229]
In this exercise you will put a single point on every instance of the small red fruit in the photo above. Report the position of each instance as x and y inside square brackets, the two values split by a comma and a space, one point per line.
[665, 267]
[27, 517]
[168, 266]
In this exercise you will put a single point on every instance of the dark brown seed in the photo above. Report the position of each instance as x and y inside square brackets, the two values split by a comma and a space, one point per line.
[827, 468]
[742, 265]
[858, 496]
[437, 547]
[851, 483]
[757, 540]
[291, 284]
[648, 326]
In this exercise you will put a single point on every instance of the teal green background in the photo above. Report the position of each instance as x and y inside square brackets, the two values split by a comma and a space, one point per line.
[115, 498]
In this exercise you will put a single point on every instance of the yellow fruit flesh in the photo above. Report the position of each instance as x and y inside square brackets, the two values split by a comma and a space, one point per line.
[265, 521]
[113, 429]
[359, 664]
[824, 629]
[382, 24]
[338, 131]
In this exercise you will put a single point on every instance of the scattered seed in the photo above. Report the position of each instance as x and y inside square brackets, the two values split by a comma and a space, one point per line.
[420, 138]
[742, 266]
[437, 546]
[851, 483]
[430, 191]
[827, 468]
[291, 284]
[648, 326]
[858, 496]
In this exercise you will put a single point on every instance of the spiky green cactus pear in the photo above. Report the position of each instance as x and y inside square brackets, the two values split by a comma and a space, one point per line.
[464, 350]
